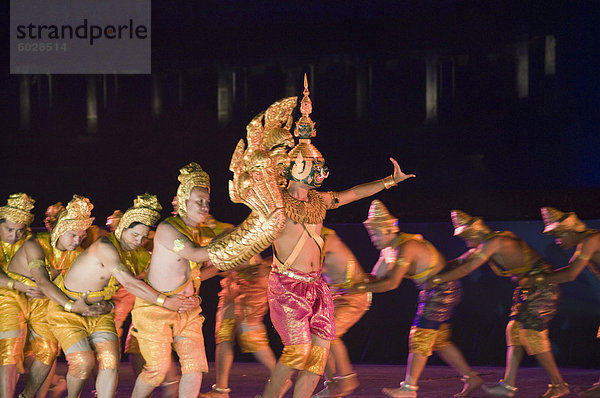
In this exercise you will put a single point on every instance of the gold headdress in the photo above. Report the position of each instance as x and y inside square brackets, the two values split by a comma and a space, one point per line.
[112, 221]
[556, 220]
[380, 218]
[462, 221]
[303, 156]
[52, 213]
[190, 176]
[76, 217]
[18, 209]
[146, 210]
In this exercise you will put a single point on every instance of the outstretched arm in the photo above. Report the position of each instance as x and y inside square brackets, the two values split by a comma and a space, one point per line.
[392, 279]
[584, 252]
[369, 188]
[475, 259]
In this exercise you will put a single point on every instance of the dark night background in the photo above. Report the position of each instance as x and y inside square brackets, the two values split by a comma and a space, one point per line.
[489, 151]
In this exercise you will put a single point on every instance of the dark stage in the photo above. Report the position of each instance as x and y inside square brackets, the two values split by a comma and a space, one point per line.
[247, 379]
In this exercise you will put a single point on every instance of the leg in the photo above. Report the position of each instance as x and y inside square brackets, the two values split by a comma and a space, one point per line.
[315, 365]
[38, 372]
[8, 380]
[415, 366]
[81, 363]
[253, 339]
[107, 350]
[277, 382]
[224, 361]
[453, 357]
[189, 386]
[192, 358]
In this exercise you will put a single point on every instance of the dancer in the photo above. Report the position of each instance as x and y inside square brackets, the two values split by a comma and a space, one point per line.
[95, 276]
[532, 309]
[301, 306]
[15, 218]
[568, 231]
[241, 309]
[341, 270]
[410, 256]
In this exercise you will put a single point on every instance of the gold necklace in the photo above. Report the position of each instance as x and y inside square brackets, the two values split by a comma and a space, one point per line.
[310, 212]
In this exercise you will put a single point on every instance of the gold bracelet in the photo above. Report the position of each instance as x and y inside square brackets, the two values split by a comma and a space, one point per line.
[539, 278]
[11, 284]
[436, 280]
[69, 306]
[160, 300]
[361, 287]
[389, 182]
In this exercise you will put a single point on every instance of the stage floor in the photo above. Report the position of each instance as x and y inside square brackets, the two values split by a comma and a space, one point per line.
[247, 379]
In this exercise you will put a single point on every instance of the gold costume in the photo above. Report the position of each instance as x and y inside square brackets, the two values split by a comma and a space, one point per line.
[13, 308]
[243, 300]
[159, 330]
[257, 182]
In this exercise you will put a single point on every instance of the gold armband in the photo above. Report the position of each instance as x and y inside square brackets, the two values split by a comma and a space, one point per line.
[120, 268]
[11, 284]
[389, 182]
[69, 306]
[37, 263]
[361, 287]
[178, 245]
[160, 300]
[436, 280]
[335, 200]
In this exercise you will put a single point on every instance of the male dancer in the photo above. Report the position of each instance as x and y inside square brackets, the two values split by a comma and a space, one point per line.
[241, 309]
[410, 256]
[175, 268]
[568, 231]
[15, 219]
[35, 265]
[341, 270]
[300, 303]
[95, 275]
[532, 309]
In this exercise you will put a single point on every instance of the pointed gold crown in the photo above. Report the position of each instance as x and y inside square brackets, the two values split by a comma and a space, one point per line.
[113, 220]
[556, 220]
[190, 176]
[18, 209]
[76, 217]
[462, 221]
[52, 213]
[380, 219]
[146, 210]
[305, 130]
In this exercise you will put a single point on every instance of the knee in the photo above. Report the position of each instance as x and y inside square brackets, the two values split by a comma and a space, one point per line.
[108, 354]
[295, 356]
[421, 341]
[81, 364]
[253, 340]
[317, 359]
[154, 374]
[225, 330]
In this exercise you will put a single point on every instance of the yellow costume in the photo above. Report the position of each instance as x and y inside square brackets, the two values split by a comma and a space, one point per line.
[158, 330]
[243, 300]
[13, 308]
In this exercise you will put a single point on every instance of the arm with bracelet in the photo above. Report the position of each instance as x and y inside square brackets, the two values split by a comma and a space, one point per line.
[475, 259]
[337, 199]
[392, 278]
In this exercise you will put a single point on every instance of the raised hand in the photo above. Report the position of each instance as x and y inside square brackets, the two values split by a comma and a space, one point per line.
[399, 175]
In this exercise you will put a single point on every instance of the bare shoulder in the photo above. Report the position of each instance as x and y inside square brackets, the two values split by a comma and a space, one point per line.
[592, 241]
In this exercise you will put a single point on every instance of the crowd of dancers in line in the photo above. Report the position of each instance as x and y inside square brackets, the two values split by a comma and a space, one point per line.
[72, 287]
